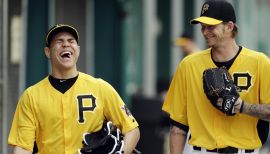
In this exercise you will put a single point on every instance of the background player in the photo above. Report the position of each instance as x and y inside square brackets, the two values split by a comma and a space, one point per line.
[187, 44]
[57, 111]
[211, 130]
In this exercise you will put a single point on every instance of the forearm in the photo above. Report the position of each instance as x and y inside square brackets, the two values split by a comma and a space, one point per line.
[19, 150]
[131, 139]
[177, 140]
[261, 111]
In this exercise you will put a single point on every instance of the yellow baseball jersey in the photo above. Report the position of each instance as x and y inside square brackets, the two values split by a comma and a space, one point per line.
[187, 104]
[57, 121]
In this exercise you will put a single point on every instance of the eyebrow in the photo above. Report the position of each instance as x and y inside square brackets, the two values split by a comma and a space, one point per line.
[62, 39]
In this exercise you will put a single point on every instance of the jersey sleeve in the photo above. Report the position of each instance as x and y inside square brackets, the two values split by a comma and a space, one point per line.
[22, 132]
[175, 101]
[116, 110]
[264, 68]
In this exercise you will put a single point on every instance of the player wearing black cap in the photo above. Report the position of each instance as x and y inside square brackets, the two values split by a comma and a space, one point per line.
[66, 104]
[212, 131]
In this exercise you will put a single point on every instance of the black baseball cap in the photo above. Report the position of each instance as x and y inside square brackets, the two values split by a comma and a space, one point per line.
[61, 28]
[215, 12]
[183, 39]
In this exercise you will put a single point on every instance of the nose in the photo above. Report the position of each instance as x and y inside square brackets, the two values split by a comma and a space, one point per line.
[66, 43]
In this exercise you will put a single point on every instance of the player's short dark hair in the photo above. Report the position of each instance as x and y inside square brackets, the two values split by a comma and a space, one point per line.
[60, 28]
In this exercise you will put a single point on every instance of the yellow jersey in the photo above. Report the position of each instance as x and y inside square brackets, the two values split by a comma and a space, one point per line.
[187, 104]
[57, 121]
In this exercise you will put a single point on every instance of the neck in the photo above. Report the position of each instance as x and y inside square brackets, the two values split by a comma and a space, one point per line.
[66, 74]
[224, 52]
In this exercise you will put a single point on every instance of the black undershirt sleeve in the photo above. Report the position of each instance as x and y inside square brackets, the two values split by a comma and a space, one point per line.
[179, 125]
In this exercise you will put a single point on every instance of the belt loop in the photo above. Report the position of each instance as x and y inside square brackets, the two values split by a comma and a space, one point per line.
[227, 150]
[240, 151]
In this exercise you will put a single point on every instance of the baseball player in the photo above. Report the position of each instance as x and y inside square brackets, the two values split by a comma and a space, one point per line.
[187, 44]
[213, 131]
[58, 110]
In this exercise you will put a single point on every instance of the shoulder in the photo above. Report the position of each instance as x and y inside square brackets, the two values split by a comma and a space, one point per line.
[86, 77]
[198, 57]
[35, 89]
[41, 84]
[83, 77]
[253, 55]
[250, 52]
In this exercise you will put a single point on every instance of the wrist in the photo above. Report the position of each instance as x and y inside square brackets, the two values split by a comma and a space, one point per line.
[242, 106]
[237, 106]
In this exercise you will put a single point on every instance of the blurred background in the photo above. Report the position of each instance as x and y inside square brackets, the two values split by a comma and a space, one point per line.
[129, 43]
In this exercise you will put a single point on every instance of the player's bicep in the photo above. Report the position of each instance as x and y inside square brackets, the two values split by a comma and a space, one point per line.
[120, 115]
[116, 110]
[23, 126]
[176, 98]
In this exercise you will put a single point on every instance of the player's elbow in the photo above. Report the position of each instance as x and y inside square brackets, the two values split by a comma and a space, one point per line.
[131, 139]
[177, 131]
[133, 134]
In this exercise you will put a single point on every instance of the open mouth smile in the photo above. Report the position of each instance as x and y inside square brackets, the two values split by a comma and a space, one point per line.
[66, 54]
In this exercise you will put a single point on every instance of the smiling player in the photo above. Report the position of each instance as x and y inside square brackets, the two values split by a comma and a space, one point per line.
[58, 110]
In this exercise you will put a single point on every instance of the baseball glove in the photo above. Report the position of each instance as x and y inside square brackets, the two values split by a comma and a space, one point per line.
[109, 140]
[220, 89]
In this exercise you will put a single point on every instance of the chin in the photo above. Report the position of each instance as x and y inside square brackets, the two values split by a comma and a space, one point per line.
[68, 67]
[209, 44]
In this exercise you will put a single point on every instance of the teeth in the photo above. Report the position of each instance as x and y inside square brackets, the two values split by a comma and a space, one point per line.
[65, 53]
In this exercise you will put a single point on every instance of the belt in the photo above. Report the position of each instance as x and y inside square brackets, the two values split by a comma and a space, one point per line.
[224, 150]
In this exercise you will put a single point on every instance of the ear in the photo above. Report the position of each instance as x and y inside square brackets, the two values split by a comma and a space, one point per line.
[230, 26]
[47, 52]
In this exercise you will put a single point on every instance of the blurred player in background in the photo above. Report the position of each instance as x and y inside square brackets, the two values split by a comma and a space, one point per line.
[187, 44]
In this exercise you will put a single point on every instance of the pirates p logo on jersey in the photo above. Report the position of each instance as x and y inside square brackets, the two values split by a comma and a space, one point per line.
[242, 80]
[82, 108]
